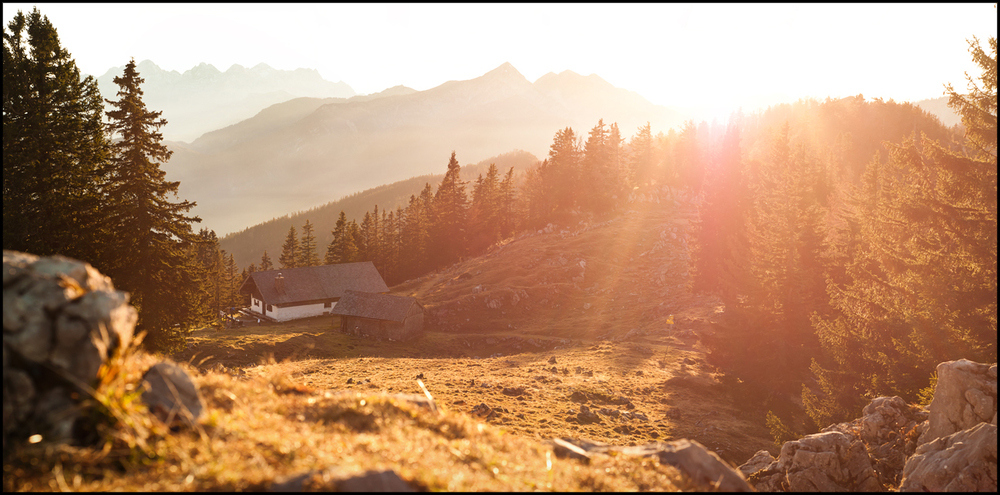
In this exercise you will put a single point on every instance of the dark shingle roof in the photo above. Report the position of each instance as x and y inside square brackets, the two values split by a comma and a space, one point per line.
[316, 282]
[376, 306]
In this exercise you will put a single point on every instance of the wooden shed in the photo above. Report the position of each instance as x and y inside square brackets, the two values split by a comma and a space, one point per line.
[379, 316]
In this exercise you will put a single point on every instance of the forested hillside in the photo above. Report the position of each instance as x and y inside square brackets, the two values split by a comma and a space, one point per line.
[248, 245]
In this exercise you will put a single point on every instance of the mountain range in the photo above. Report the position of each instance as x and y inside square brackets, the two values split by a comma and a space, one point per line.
[306, 152]
[203, 98]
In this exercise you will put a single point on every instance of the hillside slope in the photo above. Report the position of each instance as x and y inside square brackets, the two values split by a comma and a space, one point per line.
[248, 245]
[537, 330]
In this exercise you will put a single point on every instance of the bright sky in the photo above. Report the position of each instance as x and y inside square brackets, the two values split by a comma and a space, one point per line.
[714, 55]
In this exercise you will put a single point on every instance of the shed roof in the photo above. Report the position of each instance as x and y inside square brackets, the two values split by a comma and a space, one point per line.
[312, 283]
[375, 306]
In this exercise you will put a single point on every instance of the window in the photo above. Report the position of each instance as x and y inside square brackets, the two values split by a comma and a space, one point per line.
[326, 305]
[269, 308]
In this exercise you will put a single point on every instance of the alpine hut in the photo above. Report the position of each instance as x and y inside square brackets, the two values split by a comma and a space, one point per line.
[293, 293]
[380, 316]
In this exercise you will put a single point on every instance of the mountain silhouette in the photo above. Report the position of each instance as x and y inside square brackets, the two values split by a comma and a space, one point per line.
[203, 98]
[306, 152]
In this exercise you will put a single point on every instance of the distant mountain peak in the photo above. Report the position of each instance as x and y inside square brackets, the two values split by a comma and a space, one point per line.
[505, 71]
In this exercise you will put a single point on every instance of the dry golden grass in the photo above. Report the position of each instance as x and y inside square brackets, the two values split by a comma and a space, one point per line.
[265, 427]
[279, 402]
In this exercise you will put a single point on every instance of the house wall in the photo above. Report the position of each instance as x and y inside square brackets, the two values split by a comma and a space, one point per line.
[289, 312]
[413, 324]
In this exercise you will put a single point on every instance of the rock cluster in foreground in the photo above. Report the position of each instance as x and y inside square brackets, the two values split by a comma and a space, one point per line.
[63, 320]
[950, 447]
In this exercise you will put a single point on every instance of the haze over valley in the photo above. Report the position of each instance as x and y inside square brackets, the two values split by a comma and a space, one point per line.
[308, 151]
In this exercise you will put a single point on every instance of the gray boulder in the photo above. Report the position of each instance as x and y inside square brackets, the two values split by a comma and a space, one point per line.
[965, 395]
[965, 461]
[171, 395]
[62, 319]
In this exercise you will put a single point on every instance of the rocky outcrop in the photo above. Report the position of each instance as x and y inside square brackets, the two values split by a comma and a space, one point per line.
[948, 447]
[62, 319]
[958, 448]
[866, 454]
[965, 395]
[965, 461]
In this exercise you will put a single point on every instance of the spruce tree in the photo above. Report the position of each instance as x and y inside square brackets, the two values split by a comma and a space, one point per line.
[336, 251]
[921, 288]
[289, 250]
[307, 247]
[152, 232]
[54, 147]
[265, 262]
[641, 156]
[449, 217]
[507, 198]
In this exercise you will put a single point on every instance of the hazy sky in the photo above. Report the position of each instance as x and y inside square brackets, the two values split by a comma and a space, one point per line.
[680, 55]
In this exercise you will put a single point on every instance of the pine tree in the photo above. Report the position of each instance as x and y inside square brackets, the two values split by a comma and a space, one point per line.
[921, 287]
[484, 212]
[416, 233]
[641, 156]
[449, 214]
[507, 212]
[366, 238]
[353, 246]
[307, 247]
[265, 262]
[54, 147]
[336, 251]
[152, 233]
[289, 250]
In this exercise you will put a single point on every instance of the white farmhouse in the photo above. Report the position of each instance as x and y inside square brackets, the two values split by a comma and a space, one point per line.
[292, 293]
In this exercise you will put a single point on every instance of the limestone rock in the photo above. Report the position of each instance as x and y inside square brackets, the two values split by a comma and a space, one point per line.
[828, 461]
[965, 395]
[171, 394]
[965, 461]
[62, 319]
[760, 460]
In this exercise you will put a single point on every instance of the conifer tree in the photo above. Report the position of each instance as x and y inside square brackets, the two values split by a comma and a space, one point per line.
[449, 217]
[307, 247]
[336, 252]
[642, 158]
[54, 147]
[289, 250]
[265, 262]
[416, 233]
[922, 285]
[152, 233]
[720, 254]
[484, 212]
[354, 245]
[507, 198]
[366, 238]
